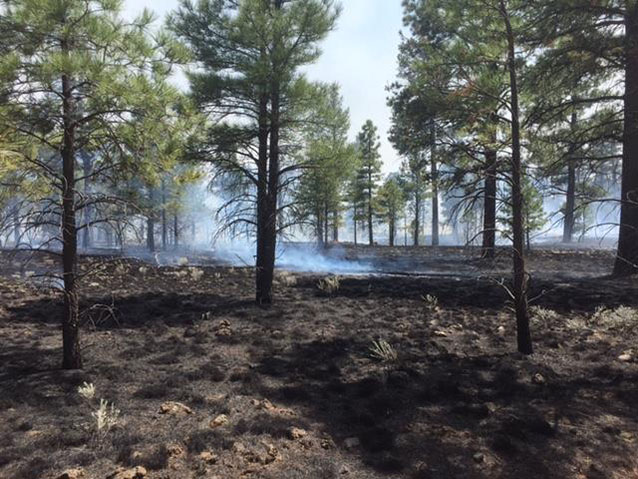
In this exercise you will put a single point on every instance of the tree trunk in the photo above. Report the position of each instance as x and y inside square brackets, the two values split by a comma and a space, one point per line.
[326, 228]
[164, 221]
[524, 338]
[417, 213]
[570, 199]
[335, 226]
[16, 224]
[391, 229]
[355, 225]
[319, 229]
[87, 166]
[435, 187]
[266, 274]
[489, 206]
[72, 358]
[150, 233]
[175, 231]
[627, 256]
[262, 190]
[370, 232]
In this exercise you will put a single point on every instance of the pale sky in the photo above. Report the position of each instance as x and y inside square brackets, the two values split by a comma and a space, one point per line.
[360, 55]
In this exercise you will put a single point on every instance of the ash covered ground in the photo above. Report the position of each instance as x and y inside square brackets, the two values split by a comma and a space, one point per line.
[210, 385]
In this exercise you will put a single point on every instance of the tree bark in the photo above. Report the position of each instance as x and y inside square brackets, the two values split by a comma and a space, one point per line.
[16, 224]
[164, 222]
[150, 233]
[435, 187]
[266, 273]
[72, 358]
[262, 189]
[391, 229]
[175, 231]
[489, 206]
[355, 224]
[523, 335]
[627, 256]
[87, 166]
[570, 199]
[417, 212]
[335, 226]
[370, 231]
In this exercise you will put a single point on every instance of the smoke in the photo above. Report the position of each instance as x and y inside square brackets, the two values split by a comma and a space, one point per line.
[298, 257]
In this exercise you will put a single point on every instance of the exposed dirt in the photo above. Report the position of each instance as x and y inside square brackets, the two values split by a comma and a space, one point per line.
[456, 403]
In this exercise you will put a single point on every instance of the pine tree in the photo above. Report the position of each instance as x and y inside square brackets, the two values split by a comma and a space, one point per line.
[76, 72]
[368, 174]
[250, 54]
[390, 204]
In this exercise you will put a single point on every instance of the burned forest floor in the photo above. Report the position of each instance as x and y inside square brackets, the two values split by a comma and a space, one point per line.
[405, 375]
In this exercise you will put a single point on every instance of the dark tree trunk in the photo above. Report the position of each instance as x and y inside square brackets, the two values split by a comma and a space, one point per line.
[265, 275]
[335, 226]
[16, 224]
[570, 199]
[164, 221]
[326, 228]
[417, 213]
[489, 205]
[150, 234]
[319, 229]
[355, 225]
[87, 167]
[435, 187]
[524, 338]
[72, 358]
[627, 256]
[262, 190]
[175, 231]
[391, 229]
[370, 231]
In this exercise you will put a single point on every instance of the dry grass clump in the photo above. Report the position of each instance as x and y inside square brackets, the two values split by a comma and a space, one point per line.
[329, 285]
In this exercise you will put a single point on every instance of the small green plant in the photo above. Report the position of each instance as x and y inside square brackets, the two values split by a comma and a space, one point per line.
[383, 351]
[329, 285]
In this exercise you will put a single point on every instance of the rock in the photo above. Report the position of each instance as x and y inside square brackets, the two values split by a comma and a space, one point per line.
[344, 470]
[296, 433]
[272, 454]
[539, 379]
[175, 408]
[219, 421]
[625, 358]
[327, 443]
[479, 457]
[441, 334]
[175, 450]
[208, 457]
[77, 473]
[351, 442]
[137, 472]
[501, 331]
[223, 328]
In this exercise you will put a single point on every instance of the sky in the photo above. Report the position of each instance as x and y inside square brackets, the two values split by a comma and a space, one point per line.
[360, 55]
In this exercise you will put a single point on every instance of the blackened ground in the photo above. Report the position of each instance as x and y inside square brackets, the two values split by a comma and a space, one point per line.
[457, 403]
